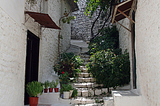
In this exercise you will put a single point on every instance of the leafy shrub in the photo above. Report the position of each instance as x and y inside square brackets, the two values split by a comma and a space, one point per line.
[109, 39]
[34, 88]
[110, 69]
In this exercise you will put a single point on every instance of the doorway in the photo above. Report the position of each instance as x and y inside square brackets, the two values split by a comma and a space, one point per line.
[32, 60]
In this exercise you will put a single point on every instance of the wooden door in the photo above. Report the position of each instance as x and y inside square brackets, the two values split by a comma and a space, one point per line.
[32, 60]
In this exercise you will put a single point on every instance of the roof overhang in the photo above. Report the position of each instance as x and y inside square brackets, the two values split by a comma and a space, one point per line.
[43, 19]
[73, 5]
[122, 11]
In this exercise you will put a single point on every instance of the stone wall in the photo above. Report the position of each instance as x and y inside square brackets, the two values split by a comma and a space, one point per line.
[81, 26]
[12, 53]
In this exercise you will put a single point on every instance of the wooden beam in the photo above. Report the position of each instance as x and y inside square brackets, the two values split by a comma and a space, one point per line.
[122, 26]
[125, 15]
[124, 11]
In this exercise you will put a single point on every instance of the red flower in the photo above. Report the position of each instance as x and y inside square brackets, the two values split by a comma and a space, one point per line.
[62, 72]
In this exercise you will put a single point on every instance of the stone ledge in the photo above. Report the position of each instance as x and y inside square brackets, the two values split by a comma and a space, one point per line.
[126, 98]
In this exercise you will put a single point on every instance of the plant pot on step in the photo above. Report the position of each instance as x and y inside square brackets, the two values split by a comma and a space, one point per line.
[33, 89]
[50, 89]
[66, 94]
[45, 90]
[33, 101]
[56, 89]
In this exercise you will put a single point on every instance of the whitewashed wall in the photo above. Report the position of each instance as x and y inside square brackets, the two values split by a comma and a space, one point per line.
[148, 51]
[13, 27]
[147, 41]
[12, 52]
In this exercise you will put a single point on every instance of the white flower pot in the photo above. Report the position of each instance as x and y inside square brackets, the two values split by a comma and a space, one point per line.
[70, 93]
[66, 94]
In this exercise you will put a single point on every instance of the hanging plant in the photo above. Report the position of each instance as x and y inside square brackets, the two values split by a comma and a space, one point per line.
[68, 19]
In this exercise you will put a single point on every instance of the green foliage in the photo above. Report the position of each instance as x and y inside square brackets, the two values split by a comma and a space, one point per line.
[68, 63]
[93, 5]
[34, 88]
[110, 69]
[68, 19]
[75, 92]
[66, 87]
[46, 84]
[54, 84]
[64, 78]
[110, 39]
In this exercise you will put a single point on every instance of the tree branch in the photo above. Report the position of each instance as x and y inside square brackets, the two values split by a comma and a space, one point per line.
[92, 34]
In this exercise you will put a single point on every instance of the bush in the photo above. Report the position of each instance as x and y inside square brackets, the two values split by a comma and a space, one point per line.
[109, 39]
[110, 69]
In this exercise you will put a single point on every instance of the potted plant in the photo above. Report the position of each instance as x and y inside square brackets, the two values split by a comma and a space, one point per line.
[33, 89]
[67, 90]
[52, 85]
[46, 85]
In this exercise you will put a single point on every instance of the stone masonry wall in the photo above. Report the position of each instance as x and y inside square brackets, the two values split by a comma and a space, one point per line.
[148, 51]
[81, 26]
[12, 57]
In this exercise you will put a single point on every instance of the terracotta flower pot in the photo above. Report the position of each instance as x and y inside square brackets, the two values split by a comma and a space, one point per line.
[45, 90]
[33, 101]
[56, 89]
[50, 89]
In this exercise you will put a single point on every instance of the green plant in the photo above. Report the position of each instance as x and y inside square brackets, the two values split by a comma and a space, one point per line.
[75, 93]
[109, 39]
[68, 63]
[34, 88]
[66, 87]
[46, 84]
[64, 78]
[54, 84]
[110, 69]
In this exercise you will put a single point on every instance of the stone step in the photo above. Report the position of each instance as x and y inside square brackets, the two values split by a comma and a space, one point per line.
[82, 101]
[86, 59]
[86, 79]
[83, 85]
[83, 69]
[90, 92]
[84, 75]
[108, 101]
[85, 63]
[92, 104]
[87, 85]
[85, 56]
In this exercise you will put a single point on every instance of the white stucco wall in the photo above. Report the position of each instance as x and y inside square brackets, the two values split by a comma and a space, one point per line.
[13, 27]
[49, 40]
[49, 37]
[12, 53]
[148, 51]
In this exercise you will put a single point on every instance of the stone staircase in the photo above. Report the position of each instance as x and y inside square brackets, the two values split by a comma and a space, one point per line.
[88, 94]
